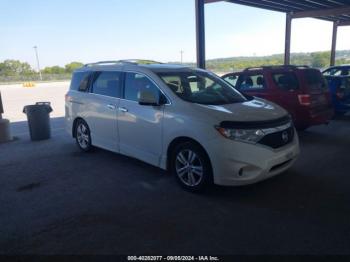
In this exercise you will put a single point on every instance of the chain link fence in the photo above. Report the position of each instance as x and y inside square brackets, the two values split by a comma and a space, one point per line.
[34, 78]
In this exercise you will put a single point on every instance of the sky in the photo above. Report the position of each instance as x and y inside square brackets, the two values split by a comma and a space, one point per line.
[90, 30]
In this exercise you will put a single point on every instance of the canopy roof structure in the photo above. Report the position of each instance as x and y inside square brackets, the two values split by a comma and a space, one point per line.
[330, 10]
[336, 11]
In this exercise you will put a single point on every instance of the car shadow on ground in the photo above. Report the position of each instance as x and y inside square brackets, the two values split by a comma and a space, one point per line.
[335, 133]
[58, 198]
[290, 191]
[303, 181]
[318, 181]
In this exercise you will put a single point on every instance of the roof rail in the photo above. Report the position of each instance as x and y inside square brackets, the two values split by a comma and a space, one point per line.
[301, 66]
[126, 61]
[276, 66]
[103, 63]
[140, 61]
[292, 66]
[254, 68]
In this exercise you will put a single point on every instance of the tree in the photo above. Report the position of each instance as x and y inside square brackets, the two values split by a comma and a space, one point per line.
[73, 66]
[15, 68]
[54, 70]
[320, 59]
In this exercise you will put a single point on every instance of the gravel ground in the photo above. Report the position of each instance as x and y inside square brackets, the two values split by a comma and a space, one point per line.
[15, 97]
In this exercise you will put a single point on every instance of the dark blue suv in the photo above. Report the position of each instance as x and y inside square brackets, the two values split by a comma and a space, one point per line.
[338, 78]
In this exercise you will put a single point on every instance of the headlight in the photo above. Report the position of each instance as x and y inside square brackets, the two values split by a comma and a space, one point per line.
[244, 135]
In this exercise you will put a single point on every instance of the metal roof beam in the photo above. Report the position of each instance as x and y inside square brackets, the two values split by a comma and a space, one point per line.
[344, 23]
[323, 12]
[329, 10]
[261, 4]
[212, 1]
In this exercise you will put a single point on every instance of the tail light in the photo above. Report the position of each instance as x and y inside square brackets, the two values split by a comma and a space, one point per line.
[304, 100]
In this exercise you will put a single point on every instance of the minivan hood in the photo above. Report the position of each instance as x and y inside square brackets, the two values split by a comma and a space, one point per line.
[254, 110]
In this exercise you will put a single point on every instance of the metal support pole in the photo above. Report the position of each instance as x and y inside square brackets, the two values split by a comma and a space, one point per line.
[200, 33]
[334, 43]
[1, 107]
[37, 61]
[5, 133]
[288, 39]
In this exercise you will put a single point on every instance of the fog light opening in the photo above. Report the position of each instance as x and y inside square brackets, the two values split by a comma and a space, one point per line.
[240, 172]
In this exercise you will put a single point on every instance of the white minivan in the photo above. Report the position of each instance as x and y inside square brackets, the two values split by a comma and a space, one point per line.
[188, 121]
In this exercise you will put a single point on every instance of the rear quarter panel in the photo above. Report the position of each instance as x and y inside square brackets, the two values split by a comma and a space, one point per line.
[76, 107]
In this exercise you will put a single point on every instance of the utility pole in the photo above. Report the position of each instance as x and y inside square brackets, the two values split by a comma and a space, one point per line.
[37, 61]
[182, 54]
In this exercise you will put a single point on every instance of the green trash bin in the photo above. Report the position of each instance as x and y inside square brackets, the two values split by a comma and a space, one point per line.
[38, 116]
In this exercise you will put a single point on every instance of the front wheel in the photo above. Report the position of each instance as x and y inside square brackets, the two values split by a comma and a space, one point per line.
[83, 136]
[191, 167]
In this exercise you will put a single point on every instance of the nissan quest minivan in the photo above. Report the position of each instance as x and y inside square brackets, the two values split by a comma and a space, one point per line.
[188, 121]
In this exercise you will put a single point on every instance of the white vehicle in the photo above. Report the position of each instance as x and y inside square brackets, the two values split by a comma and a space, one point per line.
[185, 120]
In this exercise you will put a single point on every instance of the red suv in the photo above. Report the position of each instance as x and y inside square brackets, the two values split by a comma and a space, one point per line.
[301, 90]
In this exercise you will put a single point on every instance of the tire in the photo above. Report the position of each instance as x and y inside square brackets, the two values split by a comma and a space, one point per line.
[83, 136]
[191, 167]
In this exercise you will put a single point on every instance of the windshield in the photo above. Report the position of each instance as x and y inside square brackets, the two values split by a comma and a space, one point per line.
[337, 71]
[201, 87]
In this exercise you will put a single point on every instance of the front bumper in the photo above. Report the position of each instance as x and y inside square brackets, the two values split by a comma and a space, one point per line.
[236, 163]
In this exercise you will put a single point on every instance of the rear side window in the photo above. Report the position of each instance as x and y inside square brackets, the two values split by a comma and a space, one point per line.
[80, 81]
[232, 79]
[107, 84]
[253, 81]
[174, 83]
[315, 81]
[134, 83]
[286, 81]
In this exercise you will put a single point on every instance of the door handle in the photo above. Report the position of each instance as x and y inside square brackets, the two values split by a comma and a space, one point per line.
[123, 109]
[110, 106]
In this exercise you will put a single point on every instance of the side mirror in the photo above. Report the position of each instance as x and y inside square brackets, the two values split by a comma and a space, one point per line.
[147, 98]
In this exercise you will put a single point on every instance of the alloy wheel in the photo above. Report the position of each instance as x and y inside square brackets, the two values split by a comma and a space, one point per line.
[189, 168]
[83, 136]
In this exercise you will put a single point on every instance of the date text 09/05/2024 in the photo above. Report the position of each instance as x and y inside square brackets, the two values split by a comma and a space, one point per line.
[173, 258]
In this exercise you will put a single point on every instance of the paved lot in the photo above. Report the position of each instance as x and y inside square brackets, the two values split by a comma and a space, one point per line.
[55, 199]
[15, 97]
